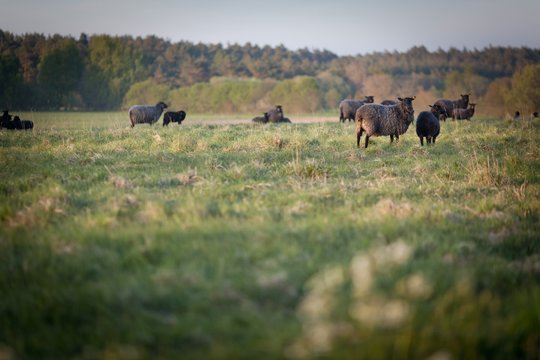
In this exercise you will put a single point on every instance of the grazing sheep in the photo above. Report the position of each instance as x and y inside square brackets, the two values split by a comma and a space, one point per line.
[428, 125]
[384, 120]
[174, 116]
[261, 119]
[347, 108]
[145, 114]
[464, 114]
[450, 105]
[275, 115]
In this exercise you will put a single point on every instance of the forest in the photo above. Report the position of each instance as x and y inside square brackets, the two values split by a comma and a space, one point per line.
[104, 72]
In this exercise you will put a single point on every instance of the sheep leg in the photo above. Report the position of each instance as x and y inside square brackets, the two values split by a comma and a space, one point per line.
[421, 140]
[367, 141]
[358, 135]
[433, 140]
[391, 138]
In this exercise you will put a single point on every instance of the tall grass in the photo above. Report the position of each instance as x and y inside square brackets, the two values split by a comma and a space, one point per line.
[228, 241]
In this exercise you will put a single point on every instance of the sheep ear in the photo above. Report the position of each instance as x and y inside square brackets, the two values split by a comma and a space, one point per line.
[414, 97]
[430, 106]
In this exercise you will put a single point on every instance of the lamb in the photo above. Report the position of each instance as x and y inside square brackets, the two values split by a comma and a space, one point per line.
[145, 114]
[428, 125]
[174, 116]
[347, 108]
[450, 105]
[462, 114]
[384, 120]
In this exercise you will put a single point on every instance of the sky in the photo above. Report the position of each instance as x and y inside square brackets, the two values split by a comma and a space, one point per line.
[345, 27]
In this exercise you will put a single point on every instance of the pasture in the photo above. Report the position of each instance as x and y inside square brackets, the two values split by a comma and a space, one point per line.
[267, 241]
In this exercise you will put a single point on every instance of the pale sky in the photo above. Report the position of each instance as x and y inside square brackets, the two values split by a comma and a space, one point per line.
[345, 27]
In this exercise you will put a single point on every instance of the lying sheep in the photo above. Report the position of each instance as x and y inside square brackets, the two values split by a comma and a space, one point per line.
[347, 108]
[261, 119]
[17, 123]
[428, 125]
[5, 120]
[450, 105]
[145, 114]
[464, 114]
[174, 116]
[275, 115]
[384, 120]
[27, 124]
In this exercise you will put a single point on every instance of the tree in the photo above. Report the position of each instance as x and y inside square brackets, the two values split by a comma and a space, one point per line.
[525, 92]
[10, 80]
[60, 72]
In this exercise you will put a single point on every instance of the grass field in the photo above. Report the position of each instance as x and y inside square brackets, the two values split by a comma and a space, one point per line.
[275, 241]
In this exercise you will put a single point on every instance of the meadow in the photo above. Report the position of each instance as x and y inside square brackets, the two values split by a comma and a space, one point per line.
[267, 241]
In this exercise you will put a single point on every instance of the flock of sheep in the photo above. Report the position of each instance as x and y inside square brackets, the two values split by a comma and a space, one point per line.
[389, 118]
[10, 122]
[392, 118]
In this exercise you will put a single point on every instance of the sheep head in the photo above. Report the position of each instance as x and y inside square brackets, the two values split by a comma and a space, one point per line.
[406, 104]
[161, 105]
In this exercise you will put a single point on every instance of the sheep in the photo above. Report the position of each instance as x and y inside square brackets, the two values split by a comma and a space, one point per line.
[389, 102]
[347, 108]
[5, 120]
[27, 124]
[462, 114]
[384, 120]
[439, 111]
[450, 105]
[145, 114]
[17, 123]
[428, 125]
[276, 114]
[174, 116]
[261, 119]
[535, 114]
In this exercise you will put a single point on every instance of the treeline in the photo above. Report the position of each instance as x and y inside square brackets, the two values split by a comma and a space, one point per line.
[103, 72]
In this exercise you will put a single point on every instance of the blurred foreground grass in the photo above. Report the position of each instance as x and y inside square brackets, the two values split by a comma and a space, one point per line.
[244, 241]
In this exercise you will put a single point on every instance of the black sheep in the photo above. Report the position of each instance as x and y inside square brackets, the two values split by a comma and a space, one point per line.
[5, 120]
[174, 116]
[17, 123]
[427, 124]
[261, 119]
